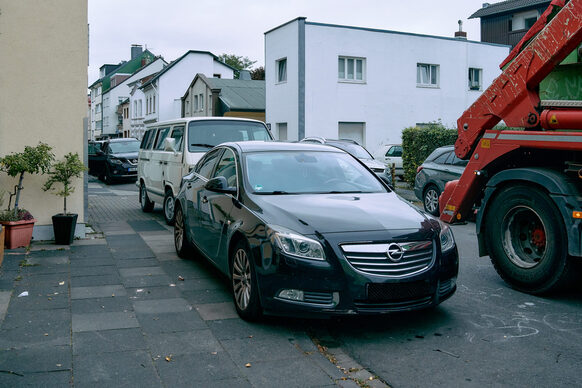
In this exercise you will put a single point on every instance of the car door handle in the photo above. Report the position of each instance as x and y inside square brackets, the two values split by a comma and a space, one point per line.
[204, 199]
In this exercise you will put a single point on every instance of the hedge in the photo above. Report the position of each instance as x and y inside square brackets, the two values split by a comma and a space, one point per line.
[419, 142]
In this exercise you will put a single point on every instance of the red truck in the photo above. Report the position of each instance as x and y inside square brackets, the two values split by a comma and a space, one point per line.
[525, 183]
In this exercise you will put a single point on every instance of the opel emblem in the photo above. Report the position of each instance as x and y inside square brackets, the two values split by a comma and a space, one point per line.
[394, 252]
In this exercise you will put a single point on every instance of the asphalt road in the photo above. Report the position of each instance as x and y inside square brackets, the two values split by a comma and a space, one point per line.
[485, 335]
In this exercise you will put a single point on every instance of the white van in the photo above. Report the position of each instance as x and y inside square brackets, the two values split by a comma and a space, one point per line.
[170, 149]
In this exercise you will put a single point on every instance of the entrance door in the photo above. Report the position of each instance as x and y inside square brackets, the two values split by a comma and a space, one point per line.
[352, 131]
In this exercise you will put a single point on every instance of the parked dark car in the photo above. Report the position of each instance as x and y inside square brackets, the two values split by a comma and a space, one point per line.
[355, 149]
[441, 166]
[303, 228]
[115, 159]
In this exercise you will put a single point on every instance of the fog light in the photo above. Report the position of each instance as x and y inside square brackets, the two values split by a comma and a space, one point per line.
[115, 171]
[291, 295]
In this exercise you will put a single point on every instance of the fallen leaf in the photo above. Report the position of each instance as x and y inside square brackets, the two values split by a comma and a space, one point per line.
[250, 336]
[214, 353]
[169, 358]
[61, 283]
[180, 278]
[25, 293]
[46, 334]
[172, 285]
[59, 365]
[248, 364]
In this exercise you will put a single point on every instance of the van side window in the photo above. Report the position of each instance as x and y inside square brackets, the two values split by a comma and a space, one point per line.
[178, 135]
[149, 140]
[146, 136]
[161, 137]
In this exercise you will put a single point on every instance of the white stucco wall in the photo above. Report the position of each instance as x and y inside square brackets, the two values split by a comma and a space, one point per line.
[282, 98]
[173, 84]
[389, 99]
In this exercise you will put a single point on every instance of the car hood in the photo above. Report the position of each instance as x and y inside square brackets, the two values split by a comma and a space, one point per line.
[335, 213]
[373, 164]
[126, 155]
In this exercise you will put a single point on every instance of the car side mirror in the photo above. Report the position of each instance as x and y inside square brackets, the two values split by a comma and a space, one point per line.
[219, 185]
[170, 144]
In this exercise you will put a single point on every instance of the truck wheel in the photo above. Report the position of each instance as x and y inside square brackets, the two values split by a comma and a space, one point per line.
[169, 207]
[431, 199]
[146, 205]
[526, 239]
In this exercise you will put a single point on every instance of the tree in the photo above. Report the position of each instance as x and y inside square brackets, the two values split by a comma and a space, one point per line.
[63, 172]
[236, 61]
[258, 73]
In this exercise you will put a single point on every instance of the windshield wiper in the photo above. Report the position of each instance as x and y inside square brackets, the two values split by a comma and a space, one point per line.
[342, 192]
[276, 192]
[202, 145]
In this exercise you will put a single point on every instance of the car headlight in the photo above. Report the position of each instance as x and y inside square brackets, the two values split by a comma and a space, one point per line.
[294, 244]
[446, 237]
[115, 161]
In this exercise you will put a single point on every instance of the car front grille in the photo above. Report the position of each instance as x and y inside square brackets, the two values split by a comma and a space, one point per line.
[407, 258]
[318, 297]
[446, 287]
[378, 292]
[376, 307]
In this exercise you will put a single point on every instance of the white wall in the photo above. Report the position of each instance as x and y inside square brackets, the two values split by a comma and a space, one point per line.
[282, 98]
[389, 100]
[173, 84]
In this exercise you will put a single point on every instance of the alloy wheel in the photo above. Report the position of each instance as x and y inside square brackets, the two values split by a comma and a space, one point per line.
[241, 279]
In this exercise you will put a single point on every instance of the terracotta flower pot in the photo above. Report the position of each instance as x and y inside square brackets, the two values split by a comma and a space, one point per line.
[17, 233]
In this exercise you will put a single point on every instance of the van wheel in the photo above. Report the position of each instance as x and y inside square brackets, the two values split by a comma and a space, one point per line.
[169, 207]
[146, 205]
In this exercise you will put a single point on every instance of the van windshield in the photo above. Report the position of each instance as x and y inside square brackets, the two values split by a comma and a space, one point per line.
[203, 135]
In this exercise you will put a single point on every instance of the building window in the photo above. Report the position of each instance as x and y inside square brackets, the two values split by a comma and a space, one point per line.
[195, 103]
[201, 101]
[475, 79]
[427, 75]
[216, 75]
[282, 70]
[529, 22]
[154, 104]
[351, 69]
[282, 131]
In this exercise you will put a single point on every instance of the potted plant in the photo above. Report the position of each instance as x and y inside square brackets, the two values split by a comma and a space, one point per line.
[63, 172]
[18, 223]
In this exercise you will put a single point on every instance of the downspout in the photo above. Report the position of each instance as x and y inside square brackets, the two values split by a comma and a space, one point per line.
[301, 80]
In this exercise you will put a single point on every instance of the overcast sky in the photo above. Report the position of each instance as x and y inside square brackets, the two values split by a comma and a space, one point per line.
[171, 27]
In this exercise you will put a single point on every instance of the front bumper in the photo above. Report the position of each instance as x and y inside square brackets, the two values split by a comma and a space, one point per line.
[125, 170]
[334, 287]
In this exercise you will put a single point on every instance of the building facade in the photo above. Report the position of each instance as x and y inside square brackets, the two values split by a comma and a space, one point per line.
[508, 21]
[36, 66]
[244, 98]
[162, 94]
[367, 84]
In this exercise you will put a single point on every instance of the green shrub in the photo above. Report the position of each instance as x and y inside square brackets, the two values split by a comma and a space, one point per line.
[419, 142]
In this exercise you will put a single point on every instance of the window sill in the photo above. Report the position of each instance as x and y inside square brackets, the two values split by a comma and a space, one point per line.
[349, 81]
[280, 82]
[476, 90]
[423, 86]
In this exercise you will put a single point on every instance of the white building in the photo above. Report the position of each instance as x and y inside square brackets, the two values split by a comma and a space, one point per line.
[121, 92]
[162, 94]
[367, 84]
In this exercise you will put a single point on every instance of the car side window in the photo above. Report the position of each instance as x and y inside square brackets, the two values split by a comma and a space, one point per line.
[206, 165]
[442, 158]
[459, 162]
[227, 168]
[150, 139]
[178, 135]
[161, 137]
[394, 151]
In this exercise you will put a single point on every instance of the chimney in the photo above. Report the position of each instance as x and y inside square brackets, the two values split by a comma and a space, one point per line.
[245, 75]
[215, 102]
[485, 5]
[460, 34]
[136, 50]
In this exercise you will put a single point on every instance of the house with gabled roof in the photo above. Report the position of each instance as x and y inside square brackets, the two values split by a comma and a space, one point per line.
[109, 76]
[508, 21]
[225, 97]
[163, 93]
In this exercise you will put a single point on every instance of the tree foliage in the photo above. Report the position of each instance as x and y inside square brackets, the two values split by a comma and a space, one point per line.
[258, 73]
[63, 172]
[236, 61]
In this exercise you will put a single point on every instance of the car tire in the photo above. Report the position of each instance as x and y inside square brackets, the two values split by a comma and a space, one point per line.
[107, 177]
[244, 283]
[168, 207]
[517, 223]
[430, 199]
[184, 248]
[146, 205]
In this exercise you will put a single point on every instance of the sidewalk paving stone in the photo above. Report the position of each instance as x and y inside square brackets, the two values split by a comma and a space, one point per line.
[183, 342]
[132, 253]
[155, 292]
[161, 306]
[31, 361]
[244, 350]
[293, 372]
[147, 281]
[108, 341]
[97, 291]
[39, 302]
[197, 297]
[99, 305]
[118, 369]
[141, 271]
[95, 280]
[130, 263]
[94, 270]
[104, 321]
[171, 322]
[146, 226]
[215, 311]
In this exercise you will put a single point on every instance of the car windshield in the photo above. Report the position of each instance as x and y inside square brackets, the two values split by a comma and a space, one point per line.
[124, 147]
[203, 135]
[307, 172]
[354, 149]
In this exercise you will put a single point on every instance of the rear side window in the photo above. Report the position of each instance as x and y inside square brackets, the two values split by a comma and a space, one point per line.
[441, 159]
[205, 134]
[206, 165]
[162, 134]
[148, 139]
[394, 151]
